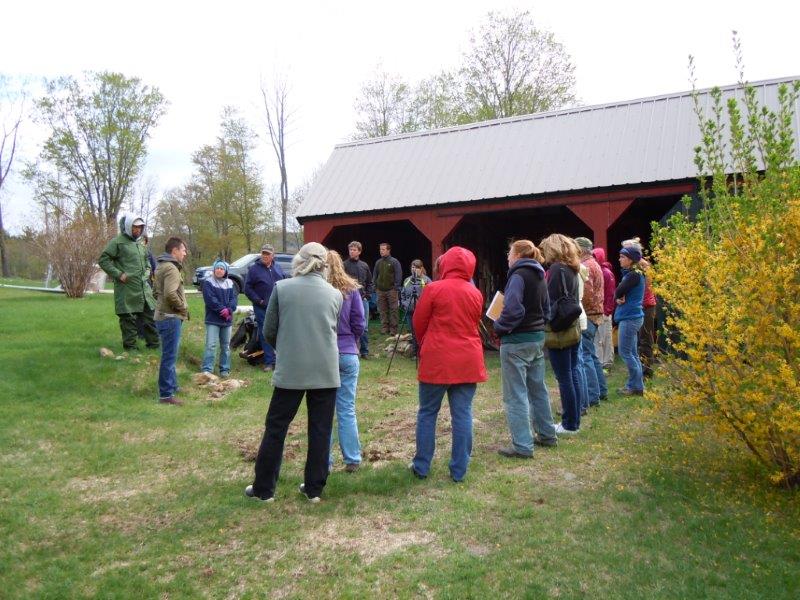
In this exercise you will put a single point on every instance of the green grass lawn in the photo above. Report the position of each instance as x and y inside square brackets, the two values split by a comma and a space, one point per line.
[104, 492]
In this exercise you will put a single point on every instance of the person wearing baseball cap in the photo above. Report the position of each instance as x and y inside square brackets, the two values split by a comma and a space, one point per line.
[261, 280]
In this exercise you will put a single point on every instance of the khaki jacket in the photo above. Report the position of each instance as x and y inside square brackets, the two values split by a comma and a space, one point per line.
[168, 289]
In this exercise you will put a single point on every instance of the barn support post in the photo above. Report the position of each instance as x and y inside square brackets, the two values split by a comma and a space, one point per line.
[600, 216]
[317, 231]
[436, 228]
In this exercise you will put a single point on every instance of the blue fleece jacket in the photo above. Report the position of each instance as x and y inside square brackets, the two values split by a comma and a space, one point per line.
[260, 282]
[219, 294]
[631, 288]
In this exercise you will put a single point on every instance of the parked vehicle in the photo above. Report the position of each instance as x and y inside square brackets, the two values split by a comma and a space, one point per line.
[238, 269]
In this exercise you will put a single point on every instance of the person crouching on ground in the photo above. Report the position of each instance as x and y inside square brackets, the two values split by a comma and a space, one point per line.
[351, 325]
[521, 330]
[301, 323]
[413, 287]
[220, 297]
[450, 359]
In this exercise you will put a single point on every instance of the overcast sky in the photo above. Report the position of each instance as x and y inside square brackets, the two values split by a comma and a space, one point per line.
[205, 55]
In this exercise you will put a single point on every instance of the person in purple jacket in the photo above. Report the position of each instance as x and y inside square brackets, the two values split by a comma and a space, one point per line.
[219, 295]
[351, 326]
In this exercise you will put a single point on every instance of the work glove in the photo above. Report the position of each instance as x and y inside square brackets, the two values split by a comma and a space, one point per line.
[225, 313]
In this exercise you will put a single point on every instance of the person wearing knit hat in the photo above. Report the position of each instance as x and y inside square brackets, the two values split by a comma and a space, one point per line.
[630, 316]
[647, 334]
[220, 297]
[633, 253]
[585, 244]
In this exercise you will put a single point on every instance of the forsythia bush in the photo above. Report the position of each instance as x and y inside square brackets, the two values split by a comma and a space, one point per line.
[730, 281]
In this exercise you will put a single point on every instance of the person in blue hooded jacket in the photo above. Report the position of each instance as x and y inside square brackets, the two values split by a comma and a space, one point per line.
[520, 326]
[219, 295]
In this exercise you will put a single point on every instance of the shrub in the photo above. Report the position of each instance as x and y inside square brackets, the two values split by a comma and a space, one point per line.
[730, 280]
[72, 246]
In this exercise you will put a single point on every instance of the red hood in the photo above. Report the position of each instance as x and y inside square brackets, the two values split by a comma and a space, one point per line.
[457, 262]
[599, 255]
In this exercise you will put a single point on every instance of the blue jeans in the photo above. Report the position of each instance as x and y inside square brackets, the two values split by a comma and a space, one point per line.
[169, 330]
[583, 389]
[565, 366]
[593, 370]
[347, 424]
[269, 353]
[628, 342]
[364, 341]
[525, 394]
[216, 334]
[459, 397]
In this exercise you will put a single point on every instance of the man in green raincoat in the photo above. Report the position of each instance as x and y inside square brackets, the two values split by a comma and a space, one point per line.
[125, 261]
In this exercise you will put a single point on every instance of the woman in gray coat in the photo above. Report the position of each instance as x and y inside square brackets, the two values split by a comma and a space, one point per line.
[300, 323]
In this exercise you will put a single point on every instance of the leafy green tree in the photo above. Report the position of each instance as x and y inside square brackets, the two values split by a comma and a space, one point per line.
[244, 176]
[99, 127]
[437, 102]
[221, 208]
[383, 106]
[514, 68]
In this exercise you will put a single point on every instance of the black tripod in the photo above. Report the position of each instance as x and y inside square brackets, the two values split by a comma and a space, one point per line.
[412, 303]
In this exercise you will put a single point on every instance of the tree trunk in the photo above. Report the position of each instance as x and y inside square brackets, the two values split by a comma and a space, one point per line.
[3, 256]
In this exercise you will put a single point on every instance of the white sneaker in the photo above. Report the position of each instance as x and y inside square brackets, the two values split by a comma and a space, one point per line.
[315, 499]
[561, 431]
[248, 491]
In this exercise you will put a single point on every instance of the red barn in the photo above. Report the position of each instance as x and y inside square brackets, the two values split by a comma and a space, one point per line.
[605, 172]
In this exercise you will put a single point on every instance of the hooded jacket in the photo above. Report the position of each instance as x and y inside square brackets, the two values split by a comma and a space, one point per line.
[446, 323]
[168, 288]
[124, 254]
[219, 294]
[609, 282]
[525, 301]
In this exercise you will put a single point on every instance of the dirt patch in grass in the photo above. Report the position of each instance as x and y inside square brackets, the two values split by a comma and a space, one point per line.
[370, 538]
[393, 438]
[144, 437]
[247, 445]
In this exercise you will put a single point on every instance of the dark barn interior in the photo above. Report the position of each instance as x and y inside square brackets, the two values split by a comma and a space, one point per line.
[406, 240]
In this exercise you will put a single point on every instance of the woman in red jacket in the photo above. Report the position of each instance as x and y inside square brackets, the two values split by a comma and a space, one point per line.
[450, 359]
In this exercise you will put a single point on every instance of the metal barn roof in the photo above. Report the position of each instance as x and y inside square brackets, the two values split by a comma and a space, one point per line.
[637, 141]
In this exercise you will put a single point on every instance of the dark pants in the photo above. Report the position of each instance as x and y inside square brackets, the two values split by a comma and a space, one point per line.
[565, 366]
[269, 354]
[131, 323]
[647, 339]
[364, 340]
[388, 303]
[282, 410]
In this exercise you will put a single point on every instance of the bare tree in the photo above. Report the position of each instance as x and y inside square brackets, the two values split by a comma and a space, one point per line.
[278, 117]
[8, 148]
[143, 201]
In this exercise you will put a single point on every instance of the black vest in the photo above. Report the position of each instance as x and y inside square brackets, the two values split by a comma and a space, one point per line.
[534, 299]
